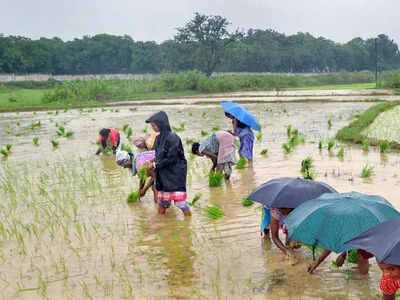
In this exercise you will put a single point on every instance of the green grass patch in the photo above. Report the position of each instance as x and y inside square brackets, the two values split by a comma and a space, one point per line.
[353, 86]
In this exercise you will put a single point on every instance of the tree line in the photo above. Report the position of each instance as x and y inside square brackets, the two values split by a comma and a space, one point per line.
[203, 44]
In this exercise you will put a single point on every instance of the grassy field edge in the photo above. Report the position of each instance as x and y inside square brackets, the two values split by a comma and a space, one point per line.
[353, 132]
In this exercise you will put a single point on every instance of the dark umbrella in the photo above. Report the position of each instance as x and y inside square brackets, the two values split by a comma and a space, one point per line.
[288, 192]
[382, 240]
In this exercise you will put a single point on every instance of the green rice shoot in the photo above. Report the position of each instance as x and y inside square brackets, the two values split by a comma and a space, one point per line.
[367, 171]
[142, 173]
[264, 151]
[383, 146]
[195, 199]
[8, 147]
[35, 140]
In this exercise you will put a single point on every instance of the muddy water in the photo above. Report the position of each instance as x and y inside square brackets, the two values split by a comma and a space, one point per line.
[67, 232]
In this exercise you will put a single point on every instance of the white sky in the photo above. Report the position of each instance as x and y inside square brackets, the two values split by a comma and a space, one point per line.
[338, 20]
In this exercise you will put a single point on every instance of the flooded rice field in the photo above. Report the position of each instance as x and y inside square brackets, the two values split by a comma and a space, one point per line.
[66, 231]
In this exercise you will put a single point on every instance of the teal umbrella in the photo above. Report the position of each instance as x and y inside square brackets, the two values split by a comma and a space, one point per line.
[332, 219]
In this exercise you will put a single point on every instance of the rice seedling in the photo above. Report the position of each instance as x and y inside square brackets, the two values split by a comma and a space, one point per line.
[69, 134]
[129, 132]
[142, 173]
[340, 153]
[365, 145]
[180, 128]
[204, 133]
[203, 114]
[215, 179]
[8, 147]
[195, 199]
[383, 146]
[242, 163]
[295, 132]
[367, 171]
[55, 143]
[247, 202]
[108, 150]
[329, 124]
[190, 141]
[35, 141]
[144, 130]
[216, 128]
[133, 197]
[190, 114]
[264, 151]
[126, 148]
[259, 136]
[289, 130]
[4, 152]
[320, 145]
[307, 168]
[331, 144]
[214, 212]
[287, 148]
[61, 131]
[125, 127]
[35, 125]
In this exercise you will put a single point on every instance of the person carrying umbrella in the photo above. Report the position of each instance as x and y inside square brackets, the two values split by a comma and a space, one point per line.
[383, 241]
[170, 166]
[332, 219]
[220, 147]
[280, 197]
[242, 122]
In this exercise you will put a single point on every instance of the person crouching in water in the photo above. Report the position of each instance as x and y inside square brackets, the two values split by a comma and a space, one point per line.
[170, 166]
[142, 159]
[108, 137]
[220, 147]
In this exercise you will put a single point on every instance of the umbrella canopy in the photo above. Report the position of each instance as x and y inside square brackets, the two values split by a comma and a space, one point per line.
[382, 240]
[332, 219]
[288, 192]
[240, 113]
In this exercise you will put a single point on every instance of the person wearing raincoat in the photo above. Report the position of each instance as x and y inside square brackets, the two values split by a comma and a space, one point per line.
[170, 165]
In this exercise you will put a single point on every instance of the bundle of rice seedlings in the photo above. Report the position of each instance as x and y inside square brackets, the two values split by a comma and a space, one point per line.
[214, 212]
[215, 179]
[133, 197]
[242, 163]
[142, 173]
[247, 202]
[195, 199]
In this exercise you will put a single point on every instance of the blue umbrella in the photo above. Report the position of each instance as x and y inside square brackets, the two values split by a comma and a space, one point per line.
[332, 219]
[382, 240]
[240, 113]
[287, 192]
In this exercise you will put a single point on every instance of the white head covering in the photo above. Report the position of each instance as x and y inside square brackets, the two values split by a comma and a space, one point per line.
[122, 157]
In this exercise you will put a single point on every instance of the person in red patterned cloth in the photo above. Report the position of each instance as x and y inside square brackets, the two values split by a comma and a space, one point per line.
[108, 137]
[170, 166]
[390, 281]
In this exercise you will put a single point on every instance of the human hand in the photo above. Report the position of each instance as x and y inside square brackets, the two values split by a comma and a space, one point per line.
[142, 192]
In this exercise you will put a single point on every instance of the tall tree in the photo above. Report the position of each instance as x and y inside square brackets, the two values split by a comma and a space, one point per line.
[208, 36]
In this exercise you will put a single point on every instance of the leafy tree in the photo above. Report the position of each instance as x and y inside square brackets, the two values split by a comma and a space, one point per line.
[209, 37]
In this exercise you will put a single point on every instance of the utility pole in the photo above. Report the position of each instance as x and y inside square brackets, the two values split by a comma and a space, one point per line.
[376, 63]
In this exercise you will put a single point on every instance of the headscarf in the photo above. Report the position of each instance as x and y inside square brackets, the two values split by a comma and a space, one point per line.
[161, 120]
[122, 157]
[140, 142]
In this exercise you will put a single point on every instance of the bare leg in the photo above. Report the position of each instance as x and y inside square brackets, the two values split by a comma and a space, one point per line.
[161, 210]
[187, 213]
[154, 194]
[363, 265]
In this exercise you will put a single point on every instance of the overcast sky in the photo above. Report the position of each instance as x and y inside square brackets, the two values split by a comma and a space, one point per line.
[338, 20]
